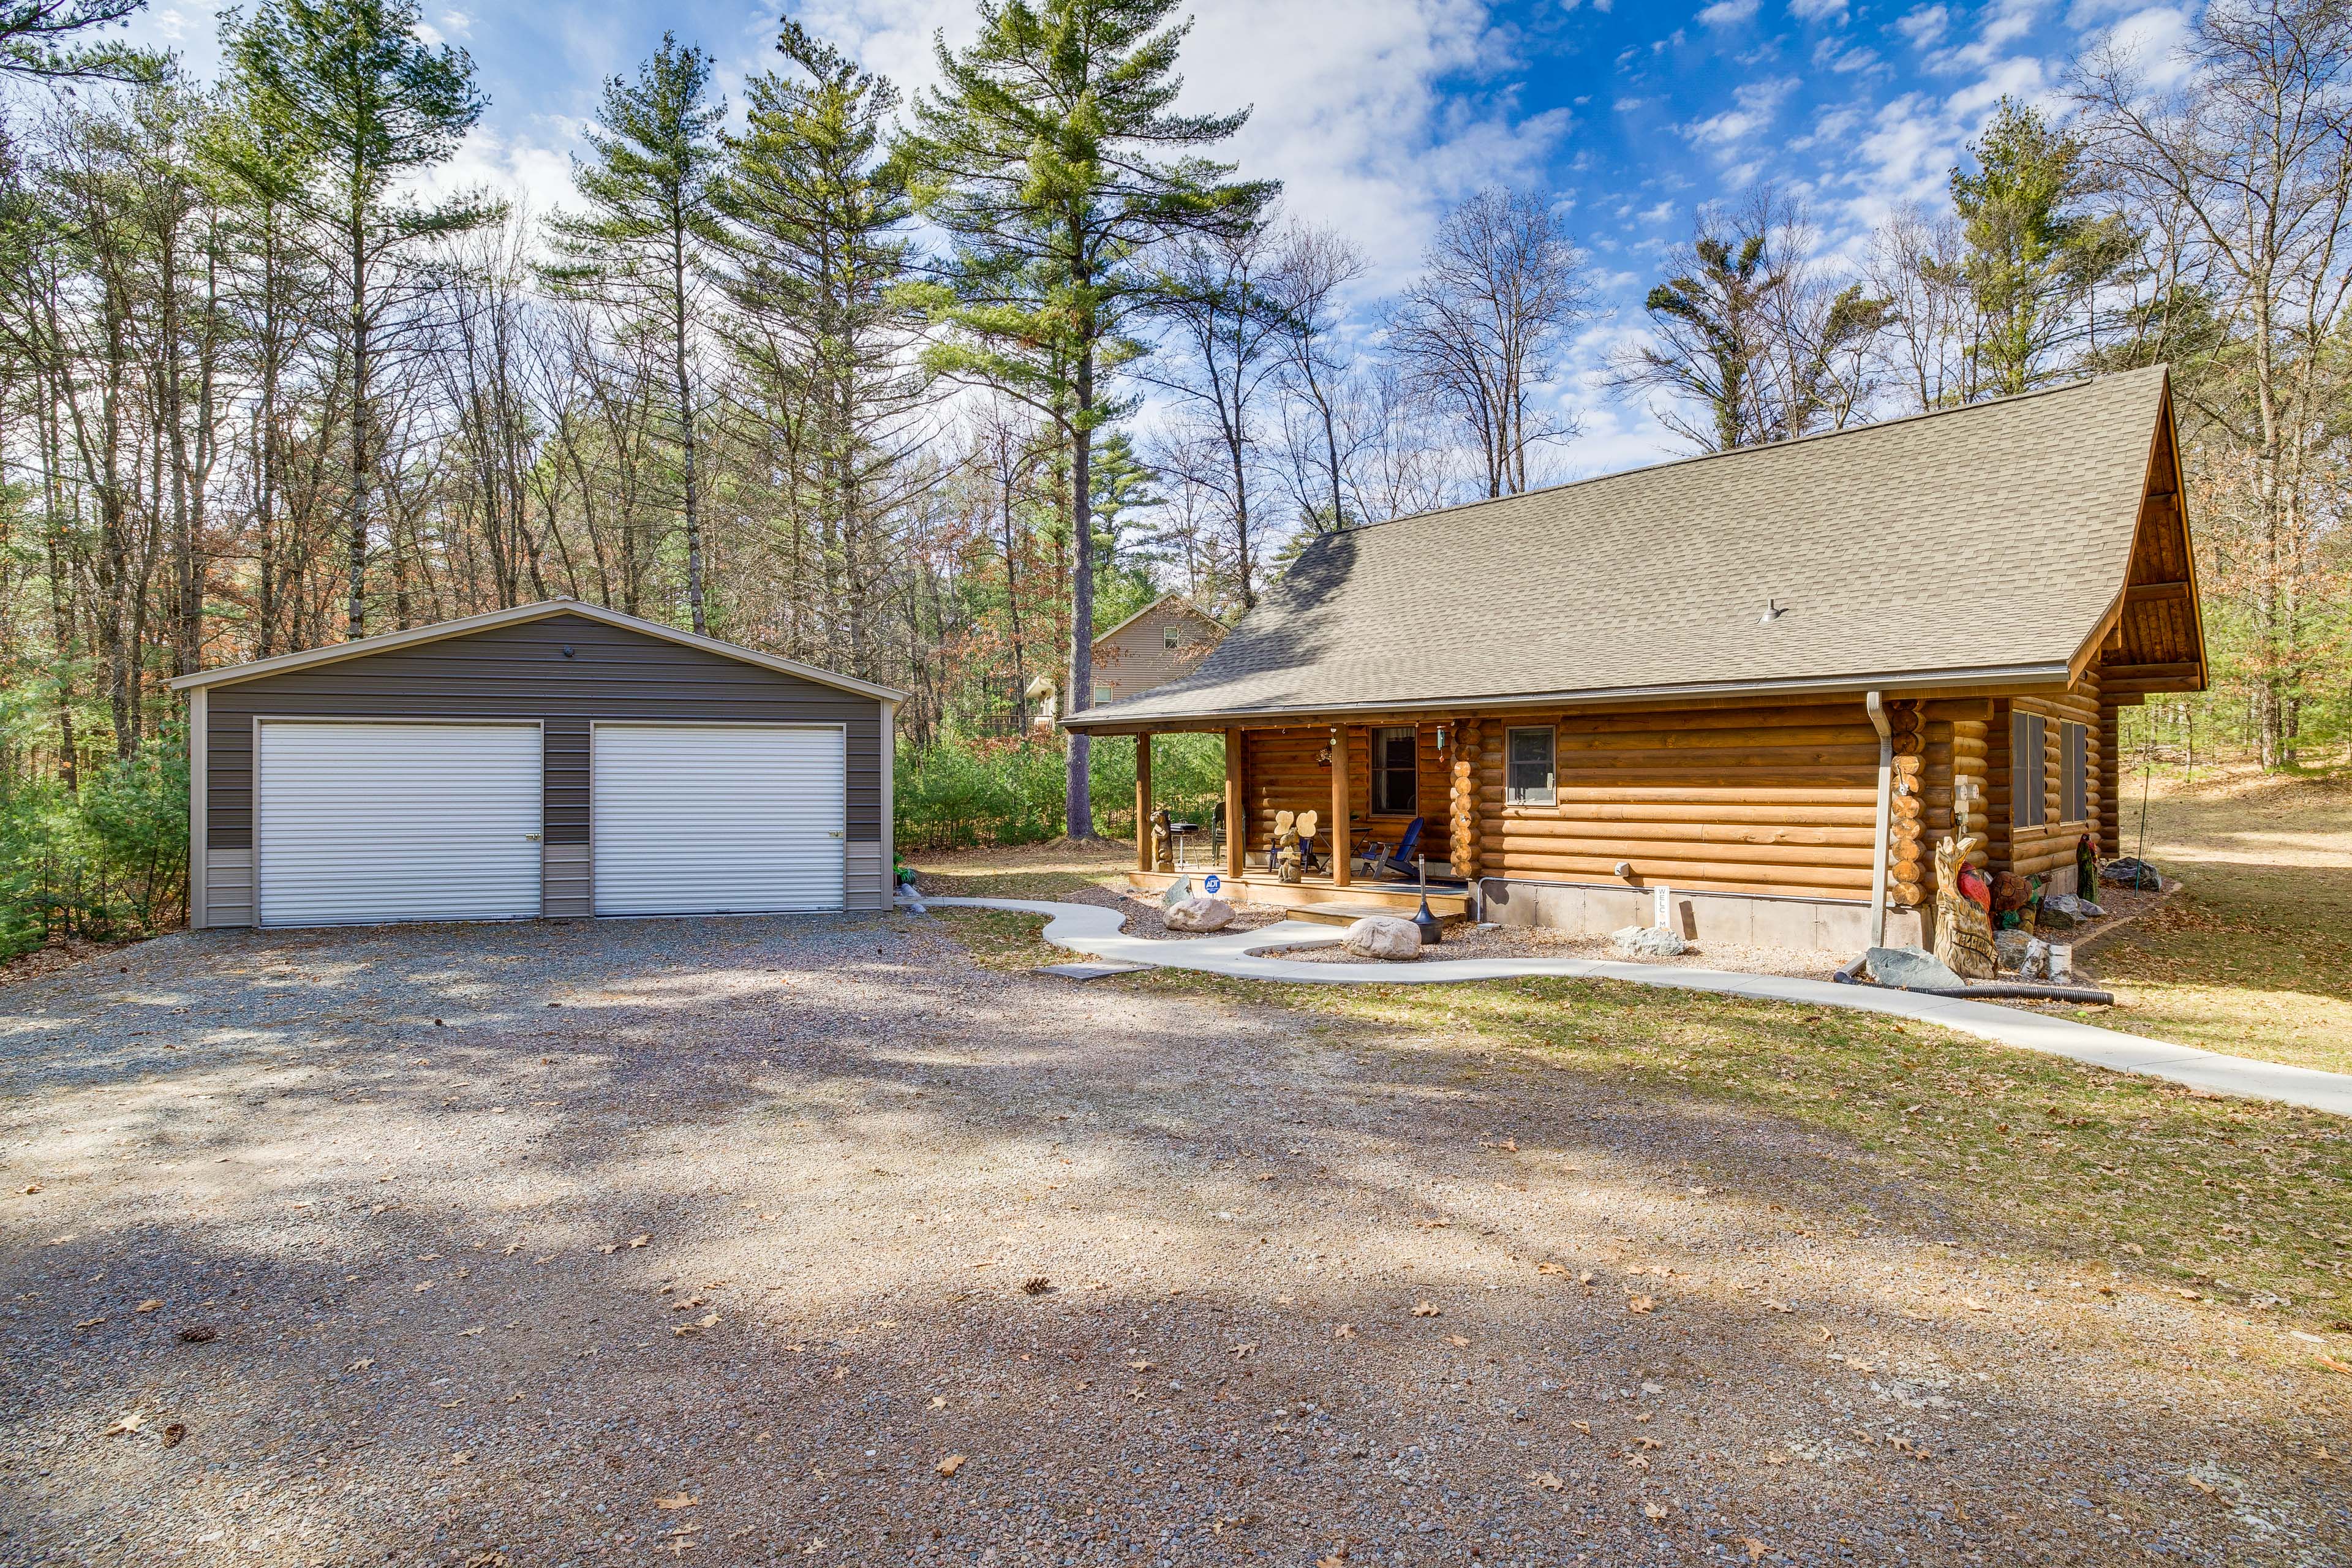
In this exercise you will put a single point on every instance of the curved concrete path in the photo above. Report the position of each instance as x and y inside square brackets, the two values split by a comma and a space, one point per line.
[1100, 932]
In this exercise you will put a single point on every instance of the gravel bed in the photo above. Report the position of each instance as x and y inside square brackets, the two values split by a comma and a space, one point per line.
[1532, 941]
[760, 1240]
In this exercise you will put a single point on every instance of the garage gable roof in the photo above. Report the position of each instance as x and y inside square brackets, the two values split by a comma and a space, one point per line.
[384, 642]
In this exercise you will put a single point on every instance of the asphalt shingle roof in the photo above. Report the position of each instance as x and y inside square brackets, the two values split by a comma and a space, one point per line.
[1989, 537]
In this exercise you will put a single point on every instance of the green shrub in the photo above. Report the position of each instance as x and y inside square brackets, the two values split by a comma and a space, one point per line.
[964, 793]
[108, 863]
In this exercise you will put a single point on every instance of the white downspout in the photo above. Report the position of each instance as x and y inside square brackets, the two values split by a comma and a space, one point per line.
[1884, 823]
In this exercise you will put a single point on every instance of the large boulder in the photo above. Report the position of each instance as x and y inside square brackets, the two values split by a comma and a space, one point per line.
[1910, 968]
[1383, 937]
[1179, 891]
[1650, 941]
[1199, 914]
[2010, 948]
[2064, 912]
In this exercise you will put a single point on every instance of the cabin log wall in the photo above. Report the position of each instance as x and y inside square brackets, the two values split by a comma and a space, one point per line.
[1775, 799]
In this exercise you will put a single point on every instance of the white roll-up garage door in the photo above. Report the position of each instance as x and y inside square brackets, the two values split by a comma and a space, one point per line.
[718, 819]
[361, 823]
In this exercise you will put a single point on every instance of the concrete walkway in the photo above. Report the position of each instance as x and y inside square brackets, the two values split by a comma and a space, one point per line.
[1099, 933]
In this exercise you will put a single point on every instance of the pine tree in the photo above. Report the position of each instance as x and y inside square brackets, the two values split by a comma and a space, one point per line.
[1052, 159]
[372, 107]
[641, 243]
[814, 233]
[2035, 257]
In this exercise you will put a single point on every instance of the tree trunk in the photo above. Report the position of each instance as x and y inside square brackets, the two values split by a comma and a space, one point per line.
[1078, 816]
[355, 525]
[685, 425]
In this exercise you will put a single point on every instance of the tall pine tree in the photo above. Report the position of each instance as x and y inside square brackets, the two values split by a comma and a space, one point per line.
[815, 224]
[1052, 157]
[640, 243]
[371, 106]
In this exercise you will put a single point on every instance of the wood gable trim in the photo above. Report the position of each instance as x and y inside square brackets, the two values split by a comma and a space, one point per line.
[2160, 575]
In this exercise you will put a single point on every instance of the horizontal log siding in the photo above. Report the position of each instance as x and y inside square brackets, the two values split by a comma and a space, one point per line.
[1282, 774]
[2035, 851]
[1761, 798]
[520, 672]
[1956, 750]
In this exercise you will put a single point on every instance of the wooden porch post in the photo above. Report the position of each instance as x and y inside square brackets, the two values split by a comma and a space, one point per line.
[1143, 802]
[1342, 873]
[1236, 814]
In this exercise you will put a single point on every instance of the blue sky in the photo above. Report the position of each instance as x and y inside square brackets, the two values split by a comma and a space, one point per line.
[1377, 113]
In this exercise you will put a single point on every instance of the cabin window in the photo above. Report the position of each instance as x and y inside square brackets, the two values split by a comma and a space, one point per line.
[1396, 773]
[2026, 805]
[1102, 695]
[2075, 752]
[1527, 767]
[1169, 633]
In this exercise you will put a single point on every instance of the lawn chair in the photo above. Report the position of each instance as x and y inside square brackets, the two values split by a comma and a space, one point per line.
[1400, 863]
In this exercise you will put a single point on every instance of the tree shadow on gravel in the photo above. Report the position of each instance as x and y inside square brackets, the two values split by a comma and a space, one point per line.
[751, 1217]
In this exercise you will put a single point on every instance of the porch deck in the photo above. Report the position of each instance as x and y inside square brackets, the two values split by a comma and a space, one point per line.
[1319, 897]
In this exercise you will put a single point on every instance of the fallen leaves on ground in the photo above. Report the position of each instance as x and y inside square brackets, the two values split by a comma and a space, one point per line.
[952, 1464]
[125, 1424]
[683, 1499]
[1642, 1304]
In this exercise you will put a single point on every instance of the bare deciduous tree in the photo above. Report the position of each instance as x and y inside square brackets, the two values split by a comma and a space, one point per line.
[1499, 288]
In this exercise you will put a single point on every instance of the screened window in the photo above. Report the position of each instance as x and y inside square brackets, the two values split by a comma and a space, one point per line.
[2075, 753]
[1528, 768]
[1169, 633]
[2026, 805]
[1102, 695]
[1396, 773]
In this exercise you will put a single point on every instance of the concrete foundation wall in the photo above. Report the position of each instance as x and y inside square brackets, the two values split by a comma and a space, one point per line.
[1726, 917]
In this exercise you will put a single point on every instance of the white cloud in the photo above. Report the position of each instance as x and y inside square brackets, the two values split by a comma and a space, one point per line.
[1817, 10]
[1729, 12]
[1375, 122]
[1924, 26]
[1754, 105]
[2154, 40]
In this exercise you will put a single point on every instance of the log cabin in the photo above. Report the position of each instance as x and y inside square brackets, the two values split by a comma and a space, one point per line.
[1767, 681]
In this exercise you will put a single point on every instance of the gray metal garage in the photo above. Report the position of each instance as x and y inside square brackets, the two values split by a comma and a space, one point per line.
[553, 760]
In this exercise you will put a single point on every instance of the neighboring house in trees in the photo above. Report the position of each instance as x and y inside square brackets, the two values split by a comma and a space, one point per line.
[1164, 639]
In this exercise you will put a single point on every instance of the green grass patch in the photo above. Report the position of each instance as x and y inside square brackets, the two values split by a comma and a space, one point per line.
[2238, 1201]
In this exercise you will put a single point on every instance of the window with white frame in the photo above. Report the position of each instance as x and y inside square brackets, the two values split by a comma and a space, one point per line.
[1169, 633]
[1527, 766]
[2027, 808]
[1395, 772]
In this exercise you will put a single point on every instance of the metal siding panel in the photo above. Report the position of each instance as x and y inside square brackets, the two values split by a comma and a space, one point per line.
[717, 819]
[520, 672]
[361, 824]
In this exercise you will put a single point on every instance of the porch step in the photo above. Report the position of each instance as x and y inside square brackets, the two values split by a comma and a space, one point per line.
[1449, 911]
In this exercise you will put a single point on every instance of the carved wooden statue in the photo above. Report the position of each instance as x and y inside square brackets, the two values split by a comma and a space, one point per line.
[1285, 847]
[1963, 932]
[1163, 852]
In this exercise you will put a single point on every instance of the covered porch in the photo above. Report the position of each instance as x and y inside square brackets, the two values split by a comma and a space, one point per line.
[1398, 790]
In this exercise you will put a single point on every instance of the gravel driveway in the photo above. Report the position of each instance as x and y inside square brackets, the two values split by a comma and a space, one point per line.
[763, 1238]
